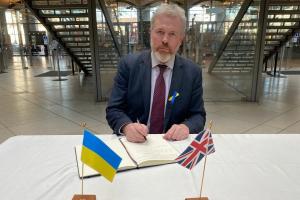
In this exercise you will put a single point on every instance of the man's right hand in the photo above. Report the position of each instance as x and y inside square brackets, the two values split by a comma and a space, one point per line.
[135, 132]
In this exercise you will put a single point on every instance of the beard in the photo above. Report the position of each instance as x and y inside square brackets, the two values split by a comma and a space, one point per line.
[162, 57]
[165, 56]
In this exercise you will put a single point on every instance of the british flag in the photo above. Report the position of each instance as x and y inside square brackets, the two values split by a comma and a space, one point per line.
[202, 145]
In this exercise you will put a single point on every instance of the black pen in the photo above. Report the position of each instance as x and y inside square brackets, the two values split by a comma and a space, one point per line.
[138, 121]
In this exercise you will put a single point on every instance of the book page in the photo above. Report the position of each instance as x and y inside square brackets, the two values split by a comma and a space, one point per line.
[155, 151]
[117, 147]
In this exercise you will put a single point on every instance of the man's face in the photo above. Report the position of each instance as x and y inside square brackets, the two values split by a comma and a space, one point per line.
[166, 37]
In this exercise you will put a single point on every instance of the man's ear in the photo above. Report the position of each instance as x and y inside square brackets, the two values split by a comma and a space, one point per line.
[150, 29]
[182, 38]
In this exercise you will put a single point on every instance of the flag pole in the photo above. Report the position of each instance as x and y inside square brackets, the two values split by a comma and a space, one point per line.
[82, 196]
[83, 125]
[203, 172]
[82, 179]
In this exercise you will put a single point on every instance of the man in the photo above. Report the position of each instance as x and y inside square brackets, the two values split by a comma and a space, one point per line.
[158, 91]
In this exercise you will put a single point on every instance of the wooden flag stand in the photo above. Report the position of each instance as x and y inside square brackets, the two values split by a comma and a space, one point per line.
[202, 198]
[83, 196]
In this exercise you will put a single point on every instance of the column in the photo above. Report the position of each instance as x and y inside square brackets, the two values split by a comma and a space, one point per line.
[259, 51]
[21, 47]
[3, 66]
[27, 40]
[95, 49]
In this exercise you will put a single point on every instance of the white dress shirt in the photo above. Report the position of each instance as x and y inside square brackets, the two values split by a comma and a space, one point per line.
[167, 77]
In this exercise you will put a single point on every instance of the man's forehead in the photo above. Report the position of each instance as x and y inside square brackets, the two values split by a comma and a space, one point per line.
[167, 21]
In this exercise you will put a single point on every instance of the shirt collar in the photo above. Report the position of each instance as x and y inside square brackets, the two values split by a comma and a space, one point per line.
[155, 61]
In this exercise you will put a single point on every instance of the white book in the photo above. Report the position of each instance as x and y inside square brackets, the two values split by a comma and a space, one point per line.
[155, 151]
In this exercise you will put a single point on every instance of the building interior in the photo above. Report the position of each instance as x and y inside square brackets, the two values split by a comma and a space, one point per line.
[58, 59]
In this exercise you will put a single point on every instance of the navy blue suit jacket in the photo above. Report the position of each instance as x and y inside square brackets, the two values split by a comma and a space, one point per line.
[131, 93]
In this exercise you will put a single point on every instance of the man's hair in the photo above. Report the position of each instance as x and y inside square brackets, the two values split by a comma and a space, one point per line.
[172, 10]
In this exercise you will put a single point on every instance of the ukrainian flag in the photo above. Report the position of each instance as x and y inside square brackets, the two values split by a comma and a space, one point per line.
[97, 155]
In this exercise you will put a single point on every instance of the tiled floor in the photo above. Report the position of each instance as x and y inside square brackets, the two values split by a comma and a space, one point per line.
[39, 105]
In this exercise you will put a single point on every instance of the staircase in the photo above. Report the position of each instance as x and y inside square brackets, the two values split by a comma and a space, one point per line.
[283, 22]
[237, 55]
[68, 22]
[108, 54]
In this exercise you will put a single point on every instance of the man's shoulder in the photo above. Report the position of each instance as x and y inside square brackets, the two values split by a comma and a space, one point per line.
[187, 63]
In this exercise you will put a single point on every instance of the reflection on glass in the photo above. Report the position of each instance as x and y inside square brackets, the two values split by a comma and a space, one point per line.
[62, 11]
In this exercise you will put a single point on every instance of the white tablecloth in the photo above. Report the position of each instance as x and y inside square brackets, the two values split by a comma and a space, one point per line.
[244, 167]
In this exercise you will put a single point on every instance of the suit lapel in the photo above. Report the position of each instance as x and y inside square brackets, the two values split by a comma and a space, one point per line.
[175, 86]
[146, 66]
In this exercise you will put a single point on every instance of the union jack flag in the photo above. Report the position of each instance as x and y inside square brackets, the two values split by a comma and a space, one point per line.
[202, 145]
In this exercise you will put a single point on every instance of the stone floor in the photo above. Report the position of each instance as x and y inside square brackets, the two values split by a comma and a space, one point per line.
[38, 105]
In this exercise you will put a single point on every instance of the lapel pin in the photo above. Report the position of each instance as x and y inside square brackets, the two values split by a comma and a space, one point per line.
[172, 98]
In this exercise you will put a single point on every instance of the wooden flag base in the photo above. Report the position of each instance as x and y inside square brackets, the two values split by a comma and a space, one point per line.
[197, 198]
[84, 197]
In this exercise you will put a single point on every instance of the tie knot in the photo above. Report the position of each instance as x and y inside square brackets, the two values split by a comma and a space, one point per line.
[162, 67]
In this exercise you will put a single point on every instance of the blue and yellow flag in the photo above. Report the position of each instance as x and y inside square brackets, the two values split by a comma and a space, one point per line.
[97, 155]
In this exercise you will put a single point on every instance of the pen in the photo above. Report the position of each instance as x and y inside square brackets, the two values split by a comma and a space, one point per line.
[138, 121]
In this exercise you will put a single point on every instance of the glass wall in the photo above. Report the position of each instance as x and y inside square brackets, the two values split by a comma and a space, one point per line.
[125, 25]
[209, 22]
[4, 41]
[236, 64]
[17, 21]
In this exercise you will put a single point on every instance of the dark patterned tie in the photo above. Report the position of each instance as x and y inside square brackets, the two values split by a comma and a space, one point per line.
[158, 103]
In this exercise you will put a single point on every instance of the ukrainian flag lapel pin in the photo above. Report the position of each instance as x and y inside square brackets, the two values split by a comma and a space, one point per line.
[172, 98]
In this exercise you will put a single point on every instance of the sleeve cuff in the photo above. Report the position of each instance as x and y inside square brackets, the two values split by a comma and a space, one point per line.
[120, 132]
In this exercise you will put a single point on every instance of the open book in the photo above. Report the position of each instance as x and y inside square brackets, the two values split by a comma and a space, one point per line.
[155, 151]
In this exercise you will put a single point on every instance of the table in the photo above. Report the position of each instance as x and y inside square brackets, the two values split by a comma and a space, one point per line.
[244, 167]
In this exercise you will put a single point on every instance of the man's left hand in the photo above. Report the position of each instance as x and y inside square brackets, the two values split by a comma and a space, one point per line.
[177, 132]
